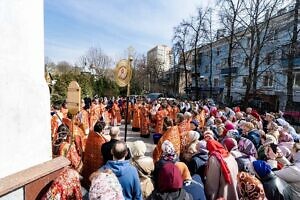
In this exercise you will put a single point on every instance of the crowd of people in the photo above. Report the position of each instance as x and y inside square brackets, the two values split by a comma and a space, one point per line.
[202, 151]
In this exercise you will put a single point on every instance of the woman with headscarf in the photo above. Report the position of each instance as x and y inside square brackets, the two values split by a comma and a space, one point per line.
[244, 161]
[169, 155]
[272, 128]
[170, 184]
[250, 187]
[198, 162]
[105, 186]
[144, 165]
[286, 143]
[247, 147]
[222, 170]
[192, 140]
[291, 174]
[275, 188]
[251, 133]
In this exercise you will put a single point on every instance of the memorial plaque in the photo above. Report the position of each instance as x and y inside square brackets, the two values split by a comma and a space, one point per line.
[74, 97]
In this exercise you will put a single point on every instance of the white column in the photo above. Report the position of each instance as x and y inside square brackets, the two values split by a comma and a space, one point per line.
[24, 102]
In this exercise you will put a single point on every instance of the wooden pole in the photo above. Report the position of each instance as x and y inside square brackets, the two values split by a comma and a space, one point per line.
[126, 114]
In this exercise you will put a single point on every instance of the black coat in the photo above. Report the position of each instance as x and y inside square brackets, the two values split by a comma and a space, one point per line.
[178, 195]
[197, 164]
[106, 151]
[276, 188]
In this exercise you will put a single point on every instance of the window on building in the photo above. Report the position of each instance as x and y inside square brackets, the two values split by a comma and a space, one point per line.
[268, 80]
[206, 82]
[246, 62]
[227, 81]
[276, 35]
[216, 82]
[218, 51]
[297, 80]
[224, 63]
[206, 68]
[268, 58]
[245, 79]
[248, 41]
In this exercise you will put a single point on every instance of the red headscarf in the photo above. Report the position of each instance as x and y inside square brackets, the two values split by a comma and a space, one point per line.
[169, 178]
[236, 109]
[216, 149]
[255, 115]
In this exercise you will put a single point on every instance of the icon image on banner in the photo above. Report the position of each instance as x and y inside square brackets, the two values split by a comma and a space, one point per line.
[123, 73]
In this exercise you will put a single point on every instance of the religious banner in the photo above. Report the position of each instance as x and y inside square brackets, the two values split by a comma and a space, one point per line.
[74, 97]
[123, 73]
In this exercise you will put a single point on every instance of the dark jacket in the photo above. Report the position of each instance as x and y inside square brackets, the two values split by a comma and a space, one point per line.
[178, 195]
[106, 151]
[195, 188]
[198, 163]
[276, 188]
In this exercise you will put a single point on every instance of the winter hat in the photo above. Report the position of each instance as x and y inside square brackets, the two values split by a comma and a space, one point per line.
[262, 168]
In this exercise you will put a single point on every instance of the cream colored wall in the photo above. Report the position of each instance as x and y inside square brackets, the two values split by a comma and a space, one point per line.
[24, 100]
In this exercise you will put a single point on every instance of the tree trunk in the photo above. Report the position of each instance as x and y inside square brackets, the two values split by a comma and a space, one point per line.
[229, 62]
[229, 59]
[210, 71]
[185, 70]
[291, 56]
[196, 68]
[256, 65]
[249, 80]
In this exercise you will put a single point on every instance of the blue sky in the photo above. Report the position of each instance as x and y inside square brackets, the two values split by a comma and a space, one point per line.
[72, 26]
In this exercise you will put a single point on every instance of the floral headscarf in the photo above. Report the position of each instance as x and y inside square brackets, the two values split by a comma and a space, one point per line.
[246, 146]
[168, 151]
[105, 185]
[250, 187]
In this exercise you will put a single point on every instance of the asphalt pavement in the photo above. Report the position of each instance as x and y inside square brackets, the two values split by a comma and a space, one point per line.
[134, 136]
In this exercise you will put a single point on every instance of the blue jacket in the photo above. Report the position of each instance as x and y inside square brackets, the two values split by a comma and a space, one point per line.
[128, 178]
[195, 188]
